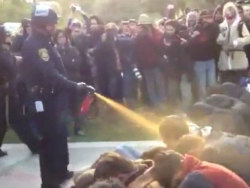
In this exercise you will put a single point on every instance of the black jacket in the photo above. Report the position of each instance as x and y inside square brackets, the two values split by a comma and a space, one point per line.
[202, 47]
[8, 69]
[72, 62]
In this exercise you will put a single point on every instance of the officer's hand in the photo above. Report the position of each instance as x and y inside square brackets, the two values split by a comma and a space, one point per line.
[90, 90]
[81, 87]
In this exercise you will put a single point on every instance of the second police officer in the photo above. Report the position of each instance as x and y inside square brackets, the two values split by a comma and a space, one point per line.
[48, 85]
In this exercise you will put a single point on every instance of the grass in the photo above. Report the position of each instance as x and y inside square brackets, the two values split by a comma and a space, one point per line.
[108, 126]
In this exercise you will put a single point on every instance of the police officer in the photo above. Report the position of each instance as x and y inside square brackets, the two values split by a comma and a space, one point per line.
[10, 107]
[49, 87]
[7, 74]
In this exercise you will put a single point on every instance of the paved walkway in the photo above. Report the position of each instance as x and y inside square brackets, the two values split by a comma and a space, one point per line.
[20, 169]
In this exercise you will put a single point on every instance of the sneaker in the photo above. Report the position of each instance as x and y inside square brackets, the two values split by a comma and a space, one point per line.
[3, 153]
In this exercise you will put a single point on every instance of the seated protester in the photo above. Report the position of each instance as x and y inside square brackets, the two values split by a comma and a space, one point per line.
[112, 165]
[171, 168]
[223, 113]
[233, 63]
[110, 183]
[231, 90]
[229, 150]
[84, 178]
[72, 63]
[118, 167]
[151, 154]
[196, 180]
[177, 66]
[172, 128]
[190, 144]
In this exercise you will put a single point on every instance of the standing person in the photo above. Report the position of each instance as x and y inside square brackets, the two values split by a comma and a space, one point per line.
[72, 62]
[148, 53]
[7, 74]
[47, 83]
[21, 37]
[79, 39]
[233, 63]
[131, 74]
[218, 17]
[203, 34]
[108, 63]
[178, 65]
[10, 104]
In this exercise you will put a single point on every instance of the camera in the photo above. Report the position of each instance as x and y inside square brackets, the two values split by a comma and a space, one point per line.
[137, 73]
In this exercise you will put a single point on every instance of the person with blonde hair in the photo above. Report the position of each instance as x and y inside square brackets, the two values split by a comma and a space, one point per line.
[234, 35]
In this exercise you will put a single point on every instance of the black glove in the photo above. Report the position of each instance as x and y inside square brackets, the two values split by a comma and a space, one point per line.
[90, 90]
[82, 88]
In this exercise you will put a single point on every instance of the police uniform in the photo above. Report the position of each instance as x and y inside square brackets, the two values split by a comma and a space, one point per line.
[7, 74]
[48, 85]
[10, 108]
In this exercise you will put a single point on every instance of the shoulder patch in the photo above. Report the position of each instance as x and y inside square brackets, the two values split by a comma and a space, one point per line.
[44, 54]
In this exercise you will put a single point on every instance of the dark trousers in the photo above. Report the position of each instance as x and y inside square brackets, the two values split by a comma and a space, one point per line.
[3, 125]
[52, 124]
[19, 123]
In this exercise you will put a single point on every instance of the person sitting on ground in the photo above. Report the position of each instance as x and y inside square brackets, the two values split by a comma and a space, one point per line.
[222, 148]
[172, 128]
[112, 165]
[110, 183]
[171, 169]
[224, 151]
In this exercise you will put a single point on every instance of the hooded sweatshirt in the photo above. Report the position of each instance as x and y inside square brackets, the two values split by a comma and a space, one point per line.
[220, 176]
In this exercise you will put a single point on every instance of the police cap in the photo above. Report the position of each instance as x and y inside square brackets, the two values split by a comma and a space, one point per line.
[43, 15]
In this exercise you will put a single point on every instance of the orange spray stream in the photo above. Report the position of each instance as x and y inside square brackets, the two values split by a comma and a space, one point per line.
[129, 114]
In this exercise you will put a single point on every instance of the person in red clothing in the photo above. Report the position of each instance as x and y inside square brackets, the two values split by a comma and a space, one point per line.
[177, 167]
[148, 54]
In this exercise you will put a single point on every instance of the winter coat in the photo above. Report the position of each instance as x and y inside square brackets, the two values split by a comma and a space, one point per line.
[125, 45]
[72, 62]
[106, 57]
[82, 43]
[233, 151]
[232, 55]
[148, 49]
[202, 46]
[178, 62]
[220, 176]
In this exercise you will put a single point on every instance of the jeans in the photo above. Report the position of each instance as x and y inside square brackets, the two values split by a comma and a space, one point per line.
[205, 76]
[130, 85]
[156, 86]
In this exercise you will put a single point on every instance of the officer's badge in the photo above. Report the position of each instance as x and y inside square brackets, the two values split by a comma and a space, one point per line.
[44, 54]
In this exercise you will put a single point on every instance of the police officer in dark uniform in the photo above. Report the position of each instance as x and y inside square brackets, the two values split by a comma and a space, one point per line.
[10, 106]
[7, 74]
[49, 87]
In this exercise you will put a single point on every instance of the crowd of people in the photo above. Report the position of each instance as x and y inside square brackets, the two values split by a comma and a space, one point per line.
[166, 63]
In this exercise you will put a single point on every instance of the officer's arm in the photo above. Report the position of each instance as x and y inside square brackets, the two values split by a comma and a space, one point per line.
[43, 63]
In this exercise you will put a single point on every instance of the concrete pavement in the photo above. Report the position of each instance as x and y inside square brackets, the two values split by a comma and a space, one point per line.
[20, 169]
